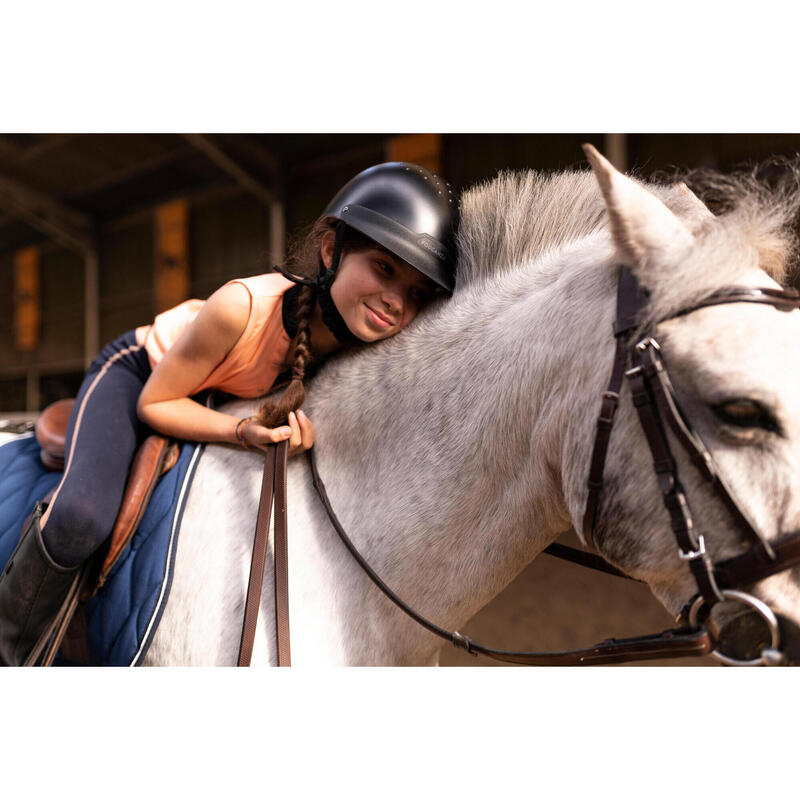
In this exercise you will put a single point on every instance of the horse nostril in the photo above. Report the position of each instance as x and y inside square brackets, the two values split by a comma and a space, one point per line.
[744, 636]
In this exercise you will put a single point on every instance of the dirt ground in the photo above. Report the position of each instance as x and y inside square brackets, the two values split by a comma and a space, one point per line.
[556, 605]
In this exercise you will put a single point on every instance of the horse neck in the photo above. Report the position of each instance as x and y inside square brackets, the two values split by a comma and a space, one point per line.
[442, 448]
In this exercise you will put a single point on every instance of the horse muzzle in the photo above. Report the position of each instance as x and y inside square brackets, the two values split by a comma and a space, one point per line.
[748, 633]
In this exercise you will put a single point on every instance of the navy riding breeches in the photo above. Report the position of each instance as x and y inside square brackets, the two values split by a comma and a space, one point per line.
[102, 437]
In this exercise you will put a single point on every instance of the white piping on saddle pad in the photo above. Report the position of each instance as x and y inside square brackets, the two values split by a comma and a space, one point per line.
[176, 517]
[15, 437]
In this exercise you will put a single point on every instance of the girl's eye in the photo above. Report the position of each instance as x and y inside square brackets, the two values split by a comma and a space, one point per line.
[419, 296]
[384, 267]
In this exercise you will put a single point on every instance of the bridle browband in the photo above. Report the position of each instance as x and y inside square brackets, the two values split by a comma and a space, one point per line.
[655, 400]
[653, 395]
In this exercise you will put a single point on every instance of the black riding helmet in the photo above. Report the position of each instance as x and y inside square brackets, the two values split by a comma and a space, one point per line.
[407, 209]
[403, 207]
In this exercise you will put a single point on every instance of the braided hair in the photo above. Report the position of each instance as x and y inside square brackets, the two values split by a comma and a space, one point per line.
[275, 412]
[305, 259]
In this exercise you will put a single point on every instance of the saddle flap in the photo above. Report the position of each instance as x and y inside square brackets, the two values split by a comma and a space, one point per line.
[155, 456]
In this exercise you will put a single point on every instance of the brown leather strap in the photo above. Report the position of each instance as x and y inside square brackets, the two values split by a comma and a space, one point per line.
[630, 300]
[273, 483]
[258, 560]
[669, 644]
[754, 566]
[281, 557]
[658, 377]
[585, 559]
[675, 643]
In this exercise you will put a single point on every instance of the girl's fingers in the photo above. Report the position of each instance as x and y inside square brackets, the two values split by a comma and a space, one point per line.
[296, 439]
[307, 429]
[275, 434]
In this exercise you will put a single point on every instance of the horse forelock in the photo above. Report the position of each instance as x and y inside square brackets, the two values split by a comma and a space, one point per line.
[754, 230]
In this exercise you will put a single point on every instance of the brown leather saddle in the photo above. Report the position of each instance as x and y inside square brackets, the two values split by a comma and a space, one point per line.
[155, 456]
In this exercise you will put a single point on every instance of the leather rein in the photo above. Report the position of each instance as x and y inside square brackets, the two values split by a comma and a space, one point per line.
[653, 395]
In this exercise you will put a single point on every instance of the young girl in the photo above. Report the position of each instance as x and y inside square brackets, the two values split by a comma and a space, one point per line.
[382, 248]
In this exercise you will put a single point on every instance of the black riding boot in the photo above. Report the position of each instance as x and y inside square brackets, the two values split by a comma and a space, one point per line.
[32, 589]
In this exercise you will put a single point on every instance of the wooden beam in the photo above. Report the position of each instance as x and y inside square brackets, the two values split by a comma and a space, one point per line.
[229, 166]
[262, 155]
[370, 152]
[52, 142]
[277, 218]
[69, 228]
[166, 158]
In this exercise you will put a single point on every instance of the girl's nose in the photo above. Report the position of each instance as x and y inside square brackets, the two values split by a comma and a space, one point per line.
[393, 299]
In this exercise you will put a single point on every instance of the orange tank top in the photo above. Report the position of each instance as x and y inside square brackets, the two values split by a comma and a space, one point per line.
[257, 358]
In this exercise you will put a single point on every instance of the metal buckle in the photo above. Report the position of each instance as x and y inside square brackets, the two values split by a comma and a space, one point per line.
[648, 341]
[770, 656]
[693, 555]
[463, 643]
[611, 395]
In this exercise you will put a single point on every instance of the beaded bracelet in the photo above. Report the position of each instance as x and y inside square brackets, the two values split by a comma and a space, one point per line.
[238, 431]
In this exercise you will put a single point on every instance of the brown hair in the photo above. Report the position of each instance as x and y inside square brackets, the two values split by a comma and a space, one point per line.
[305, 260]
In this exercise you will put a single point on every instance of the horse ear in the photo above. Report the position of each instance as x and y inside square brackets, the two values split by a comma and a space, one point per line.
[641, 225]
[699, 209]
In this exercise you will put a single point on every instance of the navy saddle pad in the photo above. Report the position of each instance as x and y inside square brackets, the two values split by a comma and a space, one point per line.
[123, 616]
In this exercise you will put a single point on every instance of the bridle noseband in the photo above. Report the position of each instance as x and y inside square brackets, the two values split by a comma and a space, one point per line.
[655, 401]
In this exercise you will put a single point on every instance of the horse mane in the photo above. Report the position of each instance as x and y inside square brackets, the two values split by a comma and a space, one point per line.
[514, 218]
[508, 223]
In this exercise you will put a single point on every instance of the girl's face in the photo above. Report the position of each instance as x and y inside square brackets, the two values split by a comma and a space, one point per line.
[377, 293]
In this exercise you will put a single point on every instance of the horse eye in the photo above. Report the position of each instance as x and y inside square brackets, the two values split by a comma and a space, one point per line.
[744, 413]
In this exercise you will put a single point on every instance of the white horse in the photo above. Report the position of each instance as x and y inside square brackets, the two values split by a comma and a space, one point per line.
[455, 452]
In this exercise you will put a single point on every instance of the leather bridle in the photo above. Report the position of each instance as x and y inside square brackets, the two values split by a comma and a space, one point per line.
[655, 400]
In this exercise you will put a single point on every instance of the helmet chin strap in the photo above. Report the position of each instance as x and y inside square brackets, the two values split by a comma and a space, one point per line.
[322, 283]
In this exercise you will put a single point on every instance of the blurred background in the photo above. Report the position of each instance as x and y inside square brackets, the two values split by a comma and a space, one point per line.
[100, 232]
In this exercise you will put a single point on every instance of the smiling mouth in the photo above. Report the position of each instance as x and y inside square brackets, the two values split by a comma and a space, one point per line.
[380, 319]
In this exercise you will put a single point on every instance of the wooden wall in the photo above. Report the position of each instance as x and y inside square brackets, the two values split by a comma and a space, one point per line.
[229, 236]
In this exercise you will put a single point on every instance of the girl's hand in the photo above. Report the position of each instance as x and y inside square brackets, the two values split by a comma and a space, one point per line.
[303, 436]
[299, 432]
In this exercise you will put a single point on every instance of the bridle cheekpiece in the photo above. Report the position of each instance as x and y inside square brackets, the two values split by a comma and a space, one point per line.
[656, 402]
